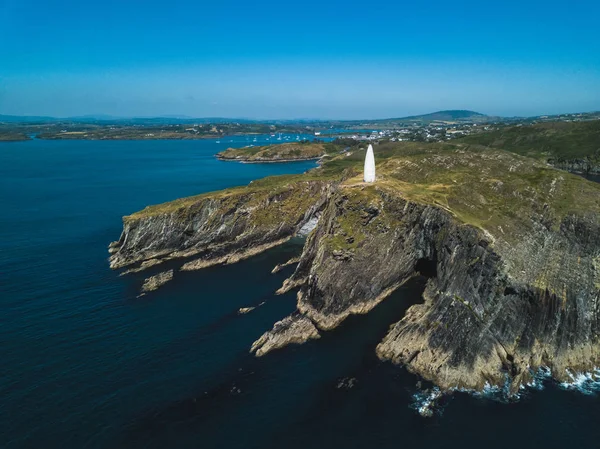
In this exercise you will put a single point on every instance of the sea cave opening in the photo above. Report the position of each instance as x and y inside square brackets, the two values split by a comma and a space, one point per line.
[426, 267]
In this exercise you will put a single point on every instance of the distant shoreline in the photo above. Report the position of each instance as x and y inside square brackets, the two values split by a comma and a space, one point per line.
[266, 161]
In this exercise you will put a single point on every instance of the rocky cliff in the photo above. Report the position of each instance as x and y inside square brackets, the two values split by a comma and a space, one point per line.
[510, 246]
[588, 165]
[221, 227]
[491, 311]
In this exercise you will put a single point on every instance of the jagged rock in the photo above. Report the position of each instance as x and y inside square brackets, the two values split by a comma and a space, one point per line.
[292, 329]
[218, 228]
[156, 281]
[244, 310]
[234, 257]
[496, 304]
[280, 266]
[512, 249]
[143, 266]
[585, 166]
[290, 284]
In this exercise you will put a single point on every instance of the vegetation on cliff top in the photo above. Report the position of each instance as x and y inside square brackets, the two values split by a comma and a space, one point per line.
[278, 196]
[12, 137]
[494, 190]
[275, 153]
[558, 140]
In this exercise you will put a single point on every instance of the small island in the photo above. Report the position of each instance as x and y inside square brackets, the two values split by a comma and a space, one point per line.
[285, 152]
[13, 137]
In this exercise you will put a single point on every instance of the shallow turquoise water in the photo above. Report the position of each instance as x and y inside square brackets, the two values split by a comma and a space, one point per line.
[86, 364]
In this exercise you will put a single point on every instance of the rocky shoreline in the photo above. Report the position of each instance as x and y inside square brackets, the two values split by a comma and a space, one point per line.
[266, 160]
[217, 229]
[280, 153]
[513, 260]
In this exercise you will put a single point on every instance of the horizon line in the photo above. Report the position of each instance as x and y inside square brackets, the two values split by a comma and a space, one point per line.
[108, 117]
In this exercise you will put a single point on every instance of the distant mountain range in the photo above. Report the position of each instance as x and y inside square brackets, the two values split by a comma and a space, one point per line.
[453, 115]
[106, 119]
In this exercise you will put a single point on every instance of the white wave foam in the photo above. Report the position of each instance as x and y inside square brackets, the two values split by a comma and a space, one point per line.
[493, 392]
[426, 402]
[586, 383]
[540, 378]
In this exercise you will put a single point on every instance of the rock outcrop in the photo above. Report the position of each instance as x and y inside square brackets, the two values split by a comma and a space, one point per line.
[284, 152]
[511, 249]
[292, 329]
[158, 280]
[586, 166]
[505, 297]
[218, 228]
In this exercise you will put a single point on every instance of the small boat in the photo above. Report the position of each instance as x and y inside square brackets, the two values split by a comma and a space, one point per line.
[218, 141]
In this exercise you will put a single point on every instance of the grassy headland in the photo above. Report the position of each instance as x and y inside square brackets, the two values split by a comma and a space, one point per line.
[561, 141]
[284, 152]
[494, 190]
[12, 137]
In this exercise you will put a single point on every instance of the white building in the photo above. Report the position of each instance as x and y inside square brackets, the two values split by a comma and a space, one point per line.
[370, 165]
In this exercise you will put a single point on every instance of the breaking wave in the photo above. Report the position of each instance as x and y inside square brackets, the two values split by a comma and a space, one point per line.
[430, 402]
[585, 383]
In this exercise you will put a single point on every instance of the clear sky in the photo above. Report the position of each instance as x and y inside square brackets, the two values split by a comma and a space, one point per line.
[299, 59]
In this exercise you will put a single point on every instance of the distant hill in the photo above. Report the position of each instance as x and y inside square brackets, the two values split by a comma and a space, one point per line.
[446, 116]
[100, 119]
[458, 115]
[109, 120]
[25, 119]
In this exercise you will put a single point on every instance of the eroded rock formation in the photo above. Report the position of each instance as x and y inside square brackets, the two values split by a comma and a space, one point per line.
[510, 246]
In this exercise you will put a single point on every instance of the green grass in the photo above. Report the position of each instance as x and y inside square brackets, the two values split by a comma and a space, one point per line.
[12, 137]
[283, 151]
[559, 140]
[490, 189]
[494, 190]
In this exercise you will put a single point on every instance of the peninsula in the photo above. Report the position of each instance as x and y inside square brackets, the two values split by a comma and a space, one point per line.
[13, 137]
[285, 152]
[511, 247]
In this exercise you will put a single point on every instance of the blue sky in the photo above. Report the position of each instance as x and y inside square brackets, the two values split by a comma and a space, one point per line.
[309, 59]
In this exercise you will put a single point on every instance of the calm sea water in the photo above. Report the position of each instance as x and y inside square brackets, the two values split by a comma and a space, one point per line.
[87, 365]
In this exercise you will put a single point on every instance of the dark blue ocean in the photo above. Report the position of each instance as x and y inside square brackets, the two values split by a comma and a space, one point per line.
[84, 364]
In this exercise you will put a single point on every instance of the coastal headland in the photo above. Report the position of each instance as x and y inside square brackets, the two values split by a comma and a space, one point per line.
[284, 152]
[511, 247]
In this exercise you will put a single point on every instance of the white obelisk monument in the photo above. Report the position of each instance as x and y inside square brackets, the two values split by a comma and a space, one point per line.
[370, 165]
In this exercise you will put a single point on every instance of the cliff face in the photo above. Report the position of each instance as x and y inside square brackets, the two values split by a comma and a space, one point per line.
[482, 321]
[505, 297]
[511, 249]
[584, 165]
[218, 228]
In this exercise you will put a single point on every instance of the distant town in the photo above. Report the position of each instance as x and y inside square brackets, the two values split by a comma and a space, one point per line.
[434, 127]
